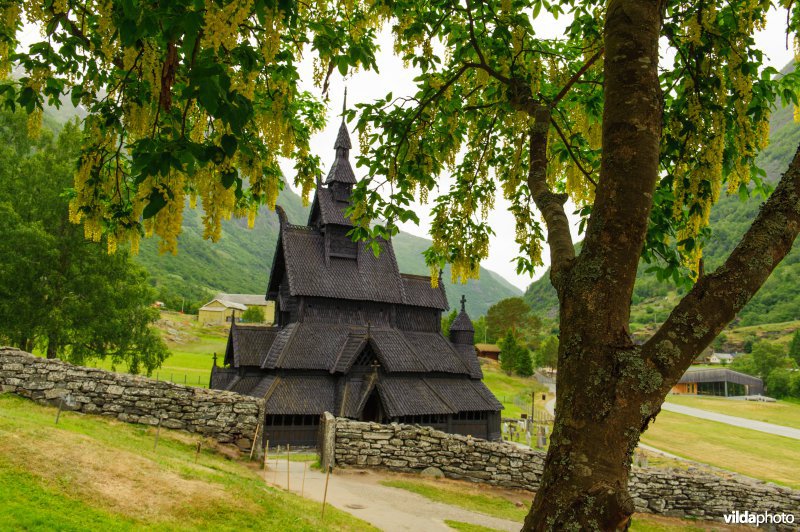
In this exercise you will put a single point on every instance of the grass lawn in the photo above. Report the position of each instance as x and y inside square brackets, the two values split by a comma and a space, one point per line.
[89, 472]
[513, 391]
[467, 527]
[192, 349]
[780, 412]
[752, 453]
[498, 503]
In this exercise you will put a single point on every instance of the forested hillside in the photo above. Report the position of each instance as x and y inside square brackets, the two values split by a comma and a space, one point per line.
[777, 301]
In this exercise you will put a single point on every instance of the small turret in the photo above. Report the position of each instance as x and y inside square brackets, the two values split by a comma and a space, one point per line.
[461, 330]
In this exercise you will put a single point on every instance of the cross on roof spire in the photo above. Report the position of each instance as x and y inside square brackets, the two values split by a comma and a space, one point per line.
[344, 104]
[463, 303]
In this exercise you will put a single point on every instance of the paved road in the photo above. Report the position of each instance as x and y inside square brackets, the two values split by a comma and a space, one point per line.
[361, 494]
[769, 428]
[761, 426]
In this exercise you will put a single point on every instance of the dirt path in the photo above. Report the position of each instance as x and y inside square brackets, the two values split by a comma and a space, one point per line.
[360, 493]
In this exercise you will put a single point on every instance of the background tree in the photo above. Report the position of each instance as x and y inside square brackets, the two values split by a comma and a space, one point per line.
[765, 358]
[768, 357]
[509, 352]
[748, 344]
[643, 149]
[253, 315]
[61, 293]
[720, 341]
[447, 321]
[524, 367]
[511, 314]
[794, 347]
[779, 383]
[794, 383]
[482, 335]
[547, 354]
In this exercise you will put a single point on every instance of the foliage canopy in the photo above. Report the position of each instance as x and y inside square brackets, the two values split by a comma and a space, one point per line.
[198, 98]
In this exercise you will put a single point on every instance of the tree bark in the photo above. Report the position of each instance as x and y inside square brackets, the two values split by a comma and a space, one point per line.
[52, 346]
[602, 377]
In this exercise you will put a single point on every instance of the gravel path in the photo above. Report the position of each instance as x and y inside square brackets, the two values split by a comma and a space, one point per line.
[360, 493]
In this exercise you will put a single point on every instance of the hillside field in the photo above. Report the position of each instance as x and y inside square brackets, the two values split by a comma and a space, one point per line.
[93, 473]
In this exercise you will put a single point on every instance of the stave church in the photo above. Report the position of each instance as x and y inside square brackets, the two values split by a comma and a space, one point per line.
[353, 336]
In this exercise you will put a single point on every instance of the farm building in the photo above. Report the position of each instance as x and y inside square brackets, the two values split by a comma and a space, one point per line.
[490, 351]
[253, 300]
[353, 336]
[219, 312]
[714, 381]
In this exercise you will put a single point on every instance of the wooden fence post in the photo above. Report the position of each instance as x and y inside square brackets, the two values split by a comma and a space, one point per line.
[325, 494]
[158, 431]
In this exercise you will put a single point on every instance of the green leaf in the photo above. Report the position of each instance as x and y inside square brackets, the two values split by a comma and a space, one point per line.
[228, 144]
[155, 203]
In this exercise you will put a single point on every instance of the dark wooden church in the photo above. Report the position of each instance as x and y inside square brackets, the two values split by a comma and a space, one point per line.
[354, 336]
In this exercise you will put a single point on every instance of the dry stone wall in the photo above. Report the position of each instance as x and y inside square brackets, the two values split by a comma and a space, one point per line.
[675, 493]
[225, 416]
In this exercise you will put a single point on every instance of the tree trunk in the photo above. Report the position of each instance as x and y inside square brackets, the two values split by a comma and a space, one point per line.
[52, 346]
[603, 380]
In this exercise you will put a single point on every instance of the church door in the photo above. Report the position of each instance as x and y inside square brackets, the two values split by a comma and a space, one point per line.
[373, 409]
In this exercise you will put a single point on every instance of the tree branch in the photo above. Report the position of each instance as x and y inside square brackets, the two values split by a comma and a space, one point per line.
[586, 66]
[571, 154]
[716, 298]
[559, 239]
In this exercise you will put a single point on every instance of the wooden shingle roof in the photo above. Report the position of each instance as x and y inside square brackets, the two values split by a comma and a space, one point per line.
[301, 394]
[368, 278]
[409, 396]
[341, 171]
[248, 345]
[331, 210]
[335, 347]
[419, 293]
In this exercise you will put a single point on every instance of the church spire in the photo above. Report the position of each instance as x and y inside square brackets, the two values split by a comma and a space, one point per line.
[341, 171]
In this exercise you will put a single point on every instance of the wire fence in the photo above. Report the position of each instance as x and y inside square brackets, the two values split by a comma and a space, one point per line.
[201, 381]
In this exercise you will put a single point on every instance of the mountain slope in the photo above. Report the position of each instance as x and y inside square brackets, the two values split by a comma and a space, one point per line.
[779, 298]
[240, 262]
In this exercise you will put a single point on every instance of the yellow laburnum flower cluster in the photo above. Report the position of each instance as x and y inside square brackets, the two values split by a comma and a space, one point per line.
[470, 248]
[9, 18]
[699, 177]
[222, 23]
[796, 42]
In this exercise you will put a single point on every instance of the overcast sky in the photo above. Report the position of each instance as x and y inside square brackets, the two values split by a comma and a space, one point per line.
[393, 76]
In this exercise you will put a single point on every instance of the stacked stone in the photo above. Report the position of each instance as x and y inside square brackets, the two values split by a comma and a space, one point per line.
[225, 416]
[676, 492]
[413, 448]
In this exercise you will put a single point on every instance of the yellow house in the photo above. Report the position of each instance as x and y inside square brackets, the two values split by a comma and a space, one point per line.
[219, 310]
